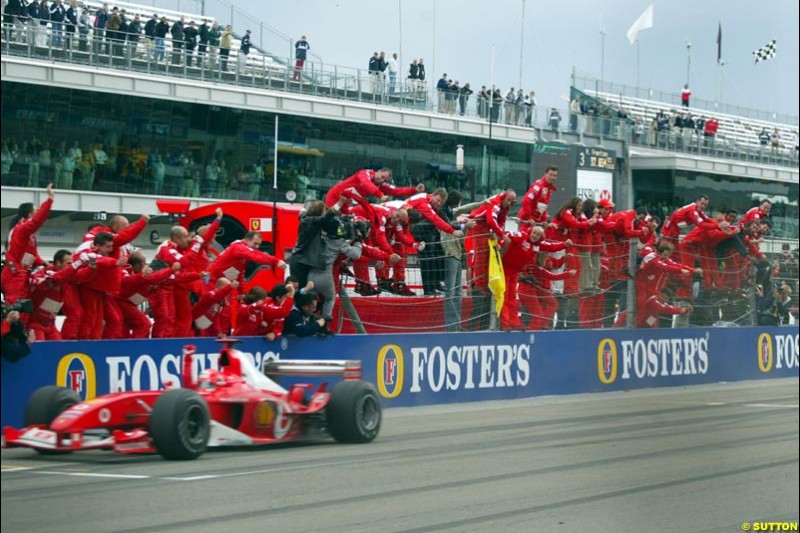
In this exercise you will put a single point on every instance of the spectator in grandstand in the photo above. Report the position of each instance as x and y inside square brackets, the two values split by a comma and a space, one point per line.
[113, 35]
[529, 104]
[244, 50]
[555, 119]
[134, 32]
[190, 35]
[302, 320]
[225, 47]
[463, 98]
[71, 23]
[441, 90]
[214, 36]
[710, 130]
[150, 35]
[101, 17]
[421, 78]
[373, 69]
[161, 31]
[178, 41]
[776, 141]
[574, 112]
[686, 94]
[203, 35]
[764, 138]
[301, 49]
[392, 67]
[22, 252]
[510, 111]
[413, 75]
[84, 27]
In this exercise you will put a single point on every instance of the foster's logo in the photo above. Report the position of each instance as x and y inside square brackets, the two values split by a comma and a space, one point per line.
[765, 352]
[607, 361]
[390, 371]
[76, 371]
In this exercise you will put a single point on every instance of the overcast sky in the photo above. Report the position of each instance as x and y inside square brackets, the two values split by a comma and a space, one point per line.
[557, 36]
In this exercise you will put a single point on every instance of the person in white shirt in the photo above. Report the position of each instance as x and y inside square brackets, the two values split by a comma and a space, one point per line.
[392, 67]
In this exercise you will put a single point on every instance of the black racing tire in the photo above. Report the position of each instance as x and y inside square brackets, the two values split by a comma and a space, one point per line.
[180, 425]
[45, 405]
[354, 412]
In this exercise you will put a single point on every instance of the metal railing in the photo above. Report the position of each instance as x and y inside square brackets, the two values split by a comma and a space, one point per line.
[161, 57]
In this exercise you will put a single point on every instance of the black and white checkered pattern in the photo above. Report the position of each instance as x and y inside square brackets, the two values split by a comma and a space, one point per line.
[766, 52]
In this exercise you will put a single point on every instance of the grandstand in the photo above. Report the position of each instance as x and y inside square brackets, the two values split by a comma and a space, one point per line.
[737, 136]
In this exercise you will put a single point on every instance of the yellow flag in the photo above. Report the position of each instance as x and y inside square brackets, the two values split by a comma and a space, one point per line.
[497, 278]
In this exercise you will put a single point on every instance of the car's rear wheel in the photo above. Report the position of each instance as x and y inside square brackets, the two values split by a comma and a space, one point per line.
[354, 412]
[45, 405]
[180, 425]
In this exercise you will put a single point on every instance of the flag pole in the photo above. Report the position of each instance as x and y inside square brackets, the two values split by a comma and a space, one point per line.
[637, 67]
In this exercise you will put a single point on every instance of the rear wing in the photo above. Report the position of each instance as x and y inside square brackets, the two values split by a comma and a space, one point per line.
[349, 370]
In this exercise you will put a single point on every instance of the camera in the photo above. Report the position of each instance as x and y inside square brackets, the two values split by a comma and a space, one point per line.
[346, 227]
[22, 306]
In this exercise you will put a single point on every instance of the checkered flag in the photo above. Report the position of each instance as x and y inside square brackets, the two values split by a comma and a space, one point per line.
[766, 52]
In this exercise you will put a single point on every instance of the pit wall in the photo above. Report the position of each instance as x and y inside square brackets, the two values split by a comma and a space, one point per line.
[424, 369]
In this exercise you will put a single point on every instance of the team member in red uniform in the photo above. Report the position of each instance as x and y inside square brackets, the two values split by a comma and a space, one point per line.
[687, 216]
[263, 313]
[490, 220]
[536, 200]
[139, 282]
[206, 311]
[649, 312]
[124, 233]
[656, 270]
[701, 243]
[47, 291]
[389, 233]
[523, 248]
[624, 226]
[232, 262]
[757, 213]
[571, 222]
[105, 283]
[535, 292]
[369, 183]
[205, 236]
[22, 253]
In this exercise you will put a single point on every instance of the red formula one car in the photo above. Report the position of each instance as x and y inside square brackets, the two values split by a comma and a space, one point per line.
[233, 406]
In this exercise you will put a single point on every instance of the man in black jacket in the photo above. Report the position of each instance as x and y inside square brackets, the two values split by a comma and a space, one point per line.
[134, 31]
[161, 31]
[190, 38]
[302, 320]
[57, 16]
[244, 50]
[72, 22]
[178, 39]
[201, 49]
[150, 35]
[374, 72]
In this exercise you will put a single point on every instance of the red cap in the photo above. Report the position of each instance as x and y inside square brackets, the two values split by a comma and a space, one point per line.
[605, 203]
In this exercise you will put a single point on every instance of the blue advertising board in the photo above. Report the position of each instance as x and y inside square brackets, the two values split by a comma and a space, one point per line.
[423, 369]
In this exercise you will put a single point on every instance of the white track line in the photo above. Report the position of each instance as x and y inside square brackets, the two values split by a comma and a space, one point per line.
[89, 474]
[776, 405]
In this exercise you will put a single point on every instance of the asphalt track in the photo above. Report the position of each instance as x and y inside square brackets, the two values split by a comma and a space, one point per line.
[698, 459]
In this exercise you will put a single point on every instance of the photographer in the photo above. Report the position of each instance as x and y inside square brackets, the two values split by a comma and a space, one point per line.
[308, 250]
[773, 307]
[15, 342]
[303, 321]
[343, 238]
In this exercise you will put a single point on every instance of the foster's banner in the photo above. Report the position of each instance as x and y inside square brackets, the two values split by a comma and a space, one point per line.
[422, 369]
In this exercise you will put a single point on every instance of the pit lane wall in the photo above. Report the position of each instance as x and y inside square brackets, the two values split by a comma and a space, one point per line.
[421, 369]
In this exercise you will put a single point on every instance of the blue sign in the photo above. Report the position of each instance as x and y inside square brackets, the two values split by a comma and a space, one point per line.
[422, 369]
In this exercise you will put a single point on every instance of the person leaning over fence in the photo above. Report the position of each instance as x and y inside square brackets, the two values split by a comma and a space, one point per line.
[302, 320]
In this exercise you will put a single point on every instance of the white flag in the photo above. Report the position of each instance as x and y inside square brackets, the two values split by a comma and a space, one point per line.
[642, 23]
